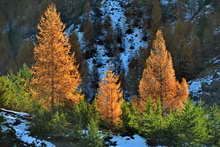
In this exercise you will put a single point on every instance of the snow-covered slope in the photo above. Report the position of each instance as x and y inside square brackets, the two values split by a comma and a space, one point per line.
[18, 123]
[126, 141]
[207, 86]
[131, 42]
[105, 56]
[196, 85]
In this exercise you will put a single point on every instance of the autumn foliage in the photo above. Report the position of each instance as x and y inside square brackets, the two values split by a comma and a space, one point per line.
[55, 73]
[158, 79]
[109, 99]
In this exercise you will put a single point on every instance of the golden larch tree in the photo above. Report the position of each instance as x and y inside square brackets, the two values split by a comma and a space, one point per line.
[158, 78]
[109, 99]
[182, 96]
[55, 73]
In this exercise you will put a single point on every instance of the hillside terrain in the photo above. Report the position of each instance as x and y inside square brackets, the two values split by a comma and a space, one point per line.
[116, 35]
[105, 73]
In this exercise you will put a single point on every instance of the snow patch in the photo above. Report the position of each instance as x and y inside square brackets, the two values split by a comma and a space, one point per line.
[137, 141]
[166, 2]
[215, 60]
[80, 35]
[17, 113]
[216, 31]
[195, 10]
[15, 120]
[102, 60]
[69, 30]
[113, 9]
[196, 85]
[132, 42]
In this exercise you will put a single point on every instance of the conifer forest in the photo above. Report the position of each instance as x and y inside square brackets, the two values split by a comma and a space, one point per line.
[109, 73]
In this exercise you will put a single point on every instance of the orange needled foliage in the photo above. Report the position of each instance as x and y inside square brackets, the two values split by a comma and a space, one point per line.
[109, 99]
[55, 73]
[158, 79]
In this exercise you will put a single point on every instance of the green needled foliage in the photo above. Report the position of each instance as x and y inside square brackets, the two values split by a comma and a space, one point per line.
[214, 126]
[15, 91]
[82, 113]
[190, 127]
[94, 138]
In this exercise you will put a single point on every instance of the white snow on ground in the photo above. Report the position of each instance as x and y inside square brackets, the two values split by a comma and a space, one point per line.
[76, 29]
[133, 42]
[138, 141]
[69, 30]
[17, 122]
[194, 10]
[166, 2]
[102, 59]
[113, 9]
[216, 31]
[80, 36]
[196, 85]
[22, 114]
[215, 60]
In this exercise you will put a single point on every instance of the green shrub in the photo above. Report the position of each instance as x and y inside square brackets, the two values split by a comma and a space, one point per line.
[191, 125]
[214, 126]
[40, 121]
[15, 91]
[188, 127]
[63, 119]
[93, 138]
[58, 123]
[49, 123]
[127, 116]
[151, 124]
[82, 113]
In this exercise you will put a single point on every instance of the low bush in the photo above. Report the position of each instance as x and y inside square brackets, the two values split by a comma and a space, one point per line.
[49, 123]
[82, 113]
[63, 119]
[193, 126]
[15, 91]
[92, 137]
[214, 126]
[126, 117]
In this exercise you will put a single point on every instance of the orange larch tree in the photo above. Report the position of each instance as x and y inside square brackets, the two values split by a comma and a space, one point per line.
[55, 73]
[182, 95]
[109, 99]
[158, 79]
